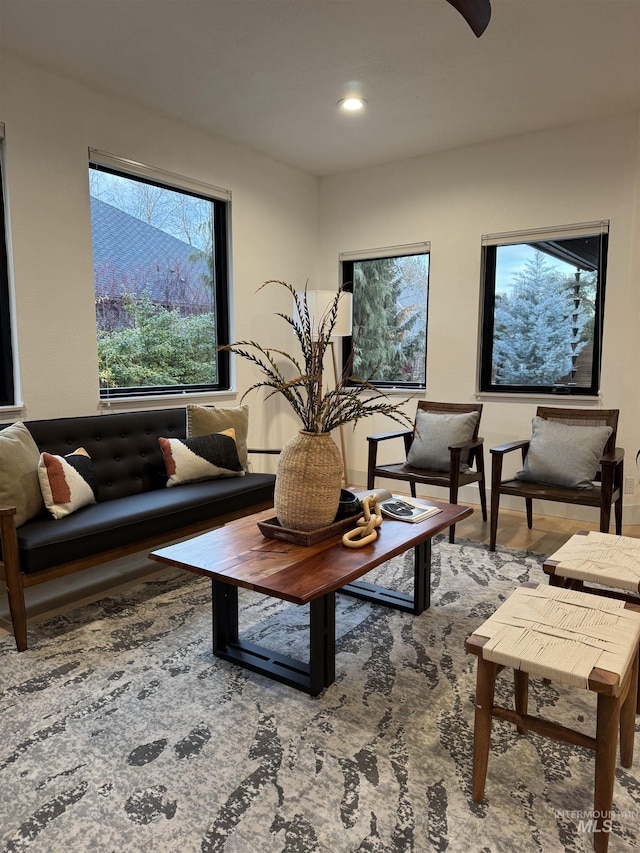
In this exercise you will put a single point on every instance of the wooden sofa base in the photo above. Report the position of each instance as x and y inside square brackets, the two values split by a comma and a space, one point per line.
[17, 581]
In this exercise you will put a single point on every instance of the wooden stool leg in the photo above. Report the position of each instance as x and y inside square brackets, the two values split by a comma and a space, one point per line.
[628, 717]
[485, 689]
[606, 748]
[521, 688]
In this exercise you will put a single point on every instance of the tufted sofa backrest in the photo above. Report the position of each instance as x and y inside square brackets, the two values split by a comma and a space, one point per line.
[123, 446]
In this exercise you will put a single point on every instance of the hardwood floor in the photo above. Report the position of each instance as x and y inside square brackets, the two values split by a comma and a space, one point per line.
[47, 600]
[545, 537]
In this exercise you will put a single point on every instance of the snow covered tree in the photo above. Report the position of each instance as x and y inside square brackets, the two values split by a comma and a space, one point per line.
[538, 327]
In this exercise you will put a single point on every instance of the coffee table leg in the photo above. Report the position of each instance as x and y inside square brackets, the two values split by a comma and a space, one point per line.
[225, 615]
[322, 642]
[312, 677]
[416, 603]
[422, 577]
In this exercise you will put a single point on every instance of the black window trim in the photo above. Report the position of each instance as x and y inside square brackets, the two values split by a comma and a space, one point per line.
[221, 201]
[490, 244]
[346, 262]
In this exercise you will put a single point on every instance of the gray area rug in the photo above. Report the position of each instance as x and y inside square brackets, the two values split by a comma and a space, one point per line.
[121, 732]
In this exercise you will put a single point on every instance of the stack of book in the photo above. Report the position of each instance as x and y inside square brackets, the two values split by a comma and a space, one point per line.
[403, 508]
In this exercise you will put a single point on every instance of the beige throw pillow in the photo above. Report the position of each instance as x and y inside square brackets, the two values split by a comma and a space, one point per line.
[205, 420]
[19, 484]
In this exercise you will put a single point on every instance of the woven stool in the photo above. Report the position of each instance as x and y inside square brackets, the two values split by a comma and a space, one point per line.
[598, 558]
[582, 640]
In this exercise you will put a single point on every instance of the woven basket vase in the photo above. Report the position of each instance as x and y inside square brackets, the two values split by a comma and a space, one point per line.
[308, 481]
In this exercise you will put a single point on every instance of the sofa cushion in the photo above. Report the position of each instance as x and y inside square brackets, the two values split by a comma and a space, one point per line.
[204, 420]
[564, 455]
[435, 433]
[44, 542]
[19, 485]
[206, 457]
[67, 482]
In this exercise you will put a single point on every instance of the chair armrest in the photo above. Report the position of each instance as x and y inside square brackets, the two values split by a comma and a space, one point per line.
[614, 457]
[511, 445]
[374, 440]
[611, 474]
[497, 458]
[9, 540]
[474, 456]
[383, 436]
[471, 443]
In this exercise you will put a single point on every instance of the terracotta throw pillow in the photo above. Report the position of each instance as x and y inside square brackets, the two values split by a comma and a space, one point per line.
[206, 457]
[67, 482]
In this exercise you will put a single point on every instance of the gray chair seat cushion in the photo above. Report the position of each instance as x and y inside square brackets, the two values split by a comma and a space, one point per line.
[402, 471]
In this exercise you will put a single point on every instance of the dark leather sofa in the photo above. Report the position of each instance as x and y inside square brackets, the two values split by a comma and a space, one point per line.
[134, 511]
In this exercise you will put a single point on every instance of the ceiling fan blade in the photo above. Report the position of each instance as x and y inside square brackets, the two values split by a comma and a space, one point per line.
[476, 13]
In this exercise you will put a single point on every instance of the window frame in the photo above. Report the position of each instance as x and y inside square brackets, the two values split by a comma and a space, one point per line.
[490, 245]
[346, 262]
[7, 380]
[220, 200]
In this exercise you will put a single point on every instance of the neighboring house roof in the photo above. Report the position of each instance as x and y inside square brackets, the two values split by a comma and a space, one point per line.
[131, 255]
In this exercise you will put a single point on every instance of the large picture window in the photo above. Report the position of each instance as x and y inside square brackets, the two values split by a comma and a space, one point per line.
[7, 394]
[390, 290]
[543, 310]
[161, 281]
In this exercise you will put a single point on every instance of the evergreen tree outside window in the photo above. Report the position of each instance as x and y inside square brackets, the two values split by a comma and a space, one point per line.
[161, 281]
[543, 311]
[390, 295]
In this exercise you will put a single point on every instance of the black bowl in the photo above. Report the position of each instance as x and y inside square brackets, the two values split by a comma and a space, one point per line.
[348, 505]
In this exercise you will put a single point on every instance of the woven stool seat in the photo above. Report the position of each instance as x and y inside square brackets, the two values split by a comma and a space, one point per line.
[581, 640]
[610, 562]
[599, 558]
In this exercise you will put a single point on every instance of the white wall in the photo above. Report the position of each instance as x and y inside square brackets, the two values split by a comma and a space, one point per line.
[290, 225]
[51, 122]
[574, 174]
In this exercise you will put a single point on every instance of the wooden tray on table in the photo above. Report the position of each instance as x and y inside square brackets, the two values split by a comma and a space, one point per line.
[272, 529]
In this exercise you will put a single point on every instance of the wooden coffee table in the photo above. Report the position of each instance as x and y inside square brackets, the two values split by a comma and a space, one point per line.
[239, 555]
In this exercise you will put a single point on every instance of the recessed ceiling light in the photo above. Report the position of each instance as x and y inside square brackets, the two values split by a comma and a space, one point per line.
[352, 104]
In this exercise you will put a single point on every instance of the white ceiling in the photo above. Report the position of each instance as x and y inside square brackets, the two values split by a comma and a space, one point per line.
[268, 73]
